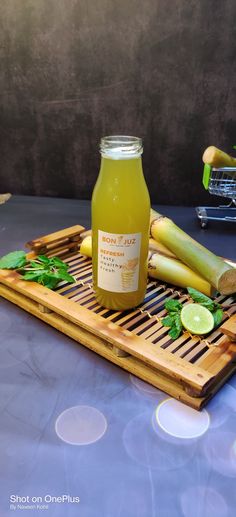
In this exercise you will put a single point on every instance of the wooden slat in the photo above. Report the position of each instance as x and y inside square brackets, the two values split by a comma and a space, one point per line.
[85, 275]
[87, 299]
[134, 321]
[127, 317]
[92, 305]
[175, 344]
[77, 288]
[75, 258]
[158, 301]
[150, 298]
[198, 350]
[80, 268]
[81, 297]
[189, 349]
[145, 325]
[154, 332]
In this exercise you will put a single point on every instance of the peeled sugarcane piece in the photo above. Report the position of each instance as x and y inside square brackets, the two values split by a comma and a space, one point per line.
[86, 246]
[217, 158]
[175, 272]
[212, 268]
[158, 247]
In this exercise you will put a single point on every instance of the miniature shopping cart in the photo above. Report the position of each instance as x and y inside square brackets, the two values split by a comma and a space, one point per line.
[220, 182]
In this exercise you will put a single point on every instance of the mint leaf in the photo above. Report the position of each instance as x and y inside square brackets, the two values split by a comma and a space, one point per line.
[33, 276]
[174, 332]
[35, 265]
[218, 316]
[204, 300]
[168, 321]
[176, 328]
[173, 319]
[43, 259]
[43, 277]
[173, 305]
[63, 275]
[55, 261]
[49, 280]
[174, 322]
[13, 260]
[201, 298]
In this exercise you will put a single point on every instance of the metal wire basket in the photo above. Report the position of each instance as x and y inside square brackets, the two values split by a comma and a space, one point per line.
[219, 182]
[223, 182]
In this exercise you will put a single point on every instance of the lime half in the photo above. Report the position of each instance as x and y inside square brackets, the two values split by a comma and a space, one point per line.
[196, 318]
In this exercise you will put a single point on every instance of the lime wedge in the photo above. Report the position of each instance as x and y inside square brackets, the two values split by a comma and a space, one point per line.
[196, 318]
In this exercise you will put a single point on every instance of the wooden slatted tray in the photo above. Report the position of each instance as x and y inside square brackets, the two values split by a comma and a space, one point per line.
[190, 369]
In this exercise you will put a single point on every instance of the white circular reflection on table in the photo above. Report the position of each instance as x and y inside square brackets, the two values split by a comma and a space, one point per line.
[81, 425]
[146, 445]
[199, 501]
[220, 450]
[13, 349]
[181, 421]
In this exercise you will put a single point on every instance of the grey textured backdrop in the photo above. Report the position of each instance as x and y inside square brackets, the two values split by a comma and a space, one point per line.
[74, 70]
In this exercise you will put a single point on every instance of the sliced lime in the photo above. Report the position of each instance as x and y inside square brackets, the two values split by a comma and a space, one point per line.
[196, 318]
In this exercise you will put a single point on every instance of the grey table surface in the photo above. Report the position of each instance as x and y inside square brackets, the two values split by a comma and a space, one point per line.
[80, 436]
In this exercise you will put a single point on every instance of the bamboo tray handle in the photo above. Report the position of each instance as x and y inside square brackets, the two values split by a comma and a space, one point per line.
[56, 239]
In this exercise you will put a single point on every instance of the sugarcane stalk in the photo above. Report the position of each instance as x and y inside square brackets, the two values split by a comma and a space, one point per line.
[217, 158]
[162, 265]
[175, 272]
[215, 270]
[158, 247]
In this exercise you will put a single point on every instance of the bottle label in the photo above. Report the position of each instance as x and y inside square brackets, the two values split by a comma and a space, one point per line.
[118, 261]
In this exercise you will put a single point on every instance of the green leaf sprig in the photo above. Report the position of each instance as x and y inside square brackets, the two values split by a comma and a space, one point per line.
[173, 320]
[174, 307]
[46, 271]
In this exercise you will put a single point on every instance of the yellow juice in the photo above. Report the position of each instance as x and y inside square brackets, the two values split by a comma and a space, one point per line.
[120, 228]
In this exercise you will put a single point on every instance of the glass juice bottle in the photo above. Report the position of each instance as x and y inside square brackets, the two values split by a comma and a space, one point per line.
[120, 224]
